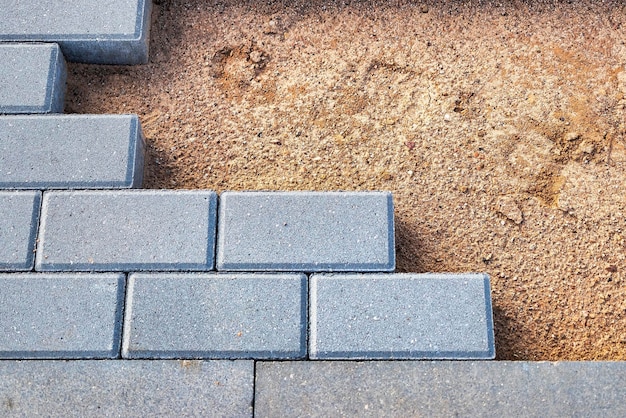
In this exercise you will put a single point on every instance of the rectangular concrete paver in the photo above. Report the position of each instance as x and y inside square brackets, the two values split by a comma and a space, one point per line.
[60, 315]
[94, 31]
[118, 388]
[215, 316]
[306, 231]
[440, 389]
[71, 152]
[400, 316]
[32, 78]
[127, 230]
[19, 220]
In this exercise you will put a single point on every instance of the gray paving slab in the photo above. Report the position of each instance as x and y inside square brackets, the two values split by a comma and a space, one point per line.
[60, 315]
[191, 315]
[127, 230]
[71, 152]
[440, 389]
[93, 31]
[119, 388]
[400, 316]
[32, 78]
[19, 220]
[306, 231]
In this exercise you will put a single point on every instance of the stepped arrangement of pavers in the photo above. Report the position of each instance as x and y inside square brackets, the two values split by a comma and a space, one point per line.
[123, 301]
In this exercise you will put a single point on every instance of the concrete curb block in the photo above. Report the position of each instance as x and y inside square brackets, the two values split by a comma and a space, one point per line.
[440, 389]
[126, 388]
[34, 78]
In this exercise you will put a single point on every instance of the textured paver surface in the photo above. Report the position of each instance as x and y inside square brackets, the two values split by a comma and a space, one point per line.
[71, 151]
[32, 78]
[306, 231]
[127, 230]
[61, 315]
[126, 388]
[395, 316]
[440, 389]
[104, 32]
[19, 217]
[215, 316]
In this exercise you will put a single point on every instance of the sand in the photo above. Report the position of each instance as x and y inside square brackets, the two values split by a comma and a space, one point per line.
[498, 126]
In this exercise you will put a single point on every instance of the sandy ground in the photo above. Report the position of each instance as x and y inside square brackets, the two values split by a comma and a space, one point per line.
[499, 127]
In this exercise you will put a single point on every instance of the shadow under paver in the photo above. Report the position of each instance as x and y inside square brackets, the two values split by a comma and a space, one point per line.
[400, 316]
[126, 388]
[260, 316]
[71, 152]
[306, 231]
[65, 316]
[91, 31]
[32, 78]
[19, 220]
[440, 389]
[127, 230]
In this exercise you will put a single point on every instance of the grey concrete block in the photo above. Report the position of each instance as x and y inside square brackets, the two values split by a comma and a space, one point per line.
[440, 389]
[19, 220]
[127, 230]
[260, 316]
[92, 31]
[32, 78]
[306, 231]
[60, 315]
[71, 151]
[400, 316]
[118, 388]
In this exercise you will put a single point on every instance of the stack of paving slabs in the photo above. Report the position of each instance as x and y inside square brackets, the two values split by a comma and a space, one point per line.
[232, 305]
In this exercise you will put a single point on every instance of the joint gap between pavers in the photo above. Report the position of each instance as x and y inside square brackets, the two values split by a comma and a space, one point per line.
[308, 317]
[126, 317]
[122, 315]
[37, 231]
[254, 376]
[216, 229]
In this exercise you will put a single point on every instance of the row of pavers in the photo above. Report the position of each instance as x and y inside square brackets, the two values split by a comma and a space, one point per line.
[116, 32]
[244, 316]
[179, 230]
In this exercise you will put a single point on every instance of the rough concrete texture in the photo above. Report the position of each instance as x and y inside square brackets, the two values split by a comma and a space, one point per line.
[127, 230]
[71, 151]
[306, 231]
[126, 388]
[19, 219]
[32, 78]
[261, 316]
[400, 316]
[61, 316]
[440, 389]
[92, 31]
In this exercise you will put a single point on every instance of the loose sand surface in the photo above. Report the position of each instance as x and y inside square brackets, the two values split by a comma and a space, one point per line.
[499, 128]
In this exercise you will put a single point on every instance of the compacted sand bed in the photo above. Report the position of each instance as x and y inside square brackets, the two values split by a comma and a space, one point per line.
[499, 127]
